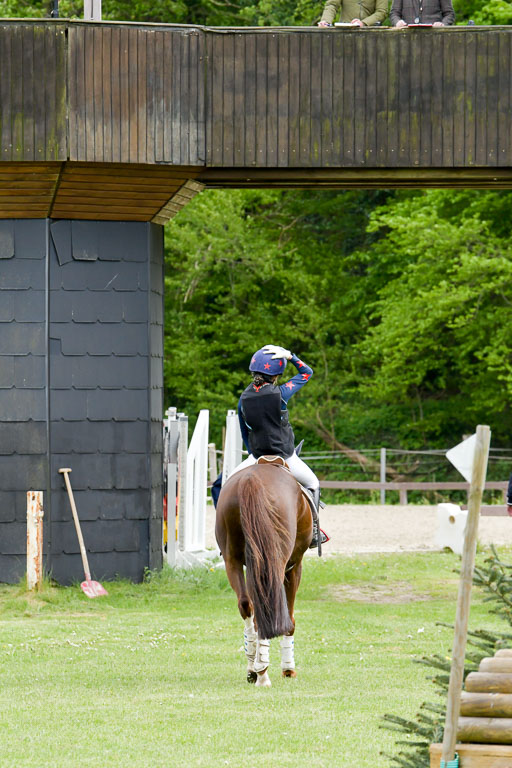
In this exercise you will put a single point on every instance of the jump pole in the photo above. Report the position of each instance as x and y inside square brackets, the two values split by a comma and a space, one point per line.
[483, 439]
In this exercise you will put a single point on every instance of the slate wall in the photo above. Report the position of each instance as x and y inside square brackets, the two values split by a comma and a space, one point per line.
[81, 345]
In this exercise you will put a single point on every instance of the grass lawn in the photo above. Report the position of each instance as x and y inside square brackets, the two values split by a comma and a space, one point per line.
[154, 674]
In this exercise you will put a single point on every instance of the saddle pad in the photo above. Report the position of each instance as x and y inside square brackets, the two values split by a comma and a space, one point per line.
[277, 461]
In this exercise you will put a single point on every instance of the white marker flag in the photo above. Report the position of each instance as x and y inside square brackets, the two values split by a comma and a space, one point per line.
[461, 456]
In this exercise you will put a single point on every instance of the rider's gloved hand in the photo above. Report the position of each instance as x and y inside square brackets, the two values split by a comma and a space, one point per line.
[277, 352]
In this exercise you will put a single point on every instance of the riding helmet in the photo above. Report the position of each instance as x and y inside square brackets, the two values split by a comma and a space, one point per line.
[263, 363]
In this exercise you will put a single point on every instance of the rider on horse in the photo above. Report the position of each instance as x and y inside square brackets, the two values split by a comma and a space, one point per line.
[263, 415]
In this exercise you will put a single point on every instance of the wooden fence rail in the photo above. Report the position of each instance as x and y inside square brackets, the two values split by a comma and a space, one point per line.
[404, 487]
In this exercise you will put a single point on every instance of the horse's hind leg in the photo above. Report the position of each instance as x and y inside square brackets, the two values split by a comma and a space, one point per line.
[261, 662]
[235, 574]
[250, 647]
[291, 585]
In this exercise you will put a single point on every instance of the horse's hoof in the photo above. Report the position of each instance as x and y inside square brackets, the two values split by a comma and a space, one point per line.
[263, 680]
[289, 673]
[251, 676]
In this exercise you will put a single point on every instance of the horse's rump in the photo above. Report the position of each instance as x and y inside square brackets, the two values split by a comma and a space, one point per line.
[268, 542]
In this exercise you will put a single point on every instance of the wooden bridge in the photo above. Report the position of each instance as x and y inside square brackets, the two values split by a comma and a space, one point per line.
[128, 121]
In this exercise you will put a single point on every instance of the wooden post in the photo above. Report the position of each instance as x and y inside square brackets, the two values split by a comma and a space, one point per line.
[483, 438]
[34, 539]
[383, 474]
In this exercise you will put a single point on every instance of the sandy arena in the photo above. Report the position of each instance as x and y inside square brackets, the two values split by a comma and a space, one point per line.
[362, 528]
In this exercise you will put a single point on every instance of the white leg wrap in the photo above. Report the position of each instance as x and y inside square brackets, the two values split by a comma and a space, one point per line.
[262, 655]
[250, 642]
[287, 652]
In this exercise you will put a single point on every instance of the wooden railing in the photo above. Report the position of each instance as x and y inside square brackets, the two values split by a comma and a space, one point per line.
[403, 488]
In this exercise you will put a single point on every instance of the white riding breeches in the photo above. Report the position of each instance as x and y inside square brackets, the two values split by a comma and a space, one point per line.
[298, 468]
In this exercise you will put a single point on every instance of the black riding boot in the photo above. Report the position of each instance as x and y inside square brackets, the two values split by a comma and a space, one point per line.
[316, 500]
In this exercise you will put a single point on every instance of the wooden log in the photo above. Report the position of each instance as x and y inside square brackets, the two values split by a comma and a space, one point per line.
[496, 664]
[503, 653]
[489, 682]
[485, 730]
[486, 704]
[476, 755]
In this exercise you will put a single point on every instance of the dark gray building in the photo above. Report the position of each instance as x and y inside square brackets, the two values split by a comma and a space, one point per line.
[81, 348]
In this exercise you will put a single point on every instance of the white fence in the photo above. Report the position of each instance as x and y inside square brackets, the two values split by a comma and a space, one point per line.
[233, 445]
[186, 475]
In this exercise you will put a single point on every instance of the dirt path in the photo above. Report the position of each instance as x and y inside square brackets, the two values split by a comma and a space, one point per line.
[375, 528]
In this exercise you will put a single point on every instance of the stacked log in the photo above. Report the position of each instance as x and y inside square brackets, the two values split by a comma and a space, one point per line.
[486, 704]
[484, 733]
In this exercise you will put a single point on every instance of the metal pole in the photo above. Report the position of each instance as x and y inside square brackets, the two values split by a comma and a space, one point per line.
[483, 438]
[382, 474]
[34, 539]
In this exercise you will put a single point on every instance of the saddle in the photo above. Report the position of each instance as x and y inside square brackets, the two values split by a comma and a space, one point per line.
[280, 463]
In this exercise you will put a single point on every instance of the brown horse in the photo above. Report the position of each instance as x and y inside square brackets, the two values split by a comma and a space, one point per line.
[264, 522]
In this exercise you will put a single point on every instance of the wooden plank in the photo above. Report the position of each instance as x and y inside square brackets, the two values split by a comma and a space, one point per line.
[325, 87]
[430, 81]
[349, 88]
[382, 112]
[504, 154]
[490, 156]
[193, 98]
[28, 85]
[16, 94]
[76, 83]
[123, 119]
[210, 64]
[152, 78]
[174, 106]
[133, 97]
[459, 98]
[316, 86]
[101, 92]
[447, 109]
[294, 103]
[239, 111]
[360, 85]
[113, 144]
[271, 158]
[393, 101]
[416, 65]
[283, 94]
[110, 83]
[5, 94]
[336, 117]
[476, 755]
[142, 105]
[370, 84]
[228, 101]
[470, 100]
[404, 98]
[482, 85]
[216, 100]
[261, 100]
[158, 96]
[40, 38]
[184, 116]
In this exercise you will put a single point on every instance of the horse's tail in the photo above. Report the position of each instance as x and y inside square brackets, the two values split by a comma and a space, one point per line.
[265, 544]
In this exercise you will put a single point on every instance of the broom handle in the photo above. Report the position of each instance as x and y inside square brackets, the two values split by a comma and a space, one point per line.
[85, 562]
